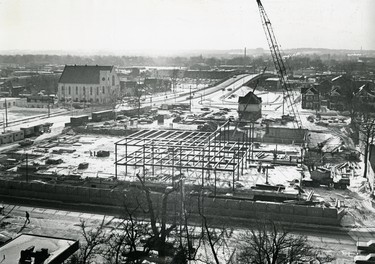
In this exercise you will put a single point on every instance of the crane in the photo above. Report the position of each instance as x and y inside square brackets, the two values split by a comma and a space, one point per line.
[279, 63]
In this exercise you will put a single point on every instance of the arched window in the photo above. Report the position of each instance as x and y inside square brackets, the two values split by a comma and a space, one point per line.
[113, 80]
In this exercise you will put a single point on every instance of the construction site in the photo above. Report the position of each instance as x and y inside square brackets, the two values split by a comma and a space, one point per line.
[251, 152]
[266, 164]
[234, 140]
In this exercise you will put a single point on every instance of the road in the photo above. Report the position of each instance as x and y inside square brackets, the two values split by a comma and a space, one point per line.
[338, 242]
[200, 95]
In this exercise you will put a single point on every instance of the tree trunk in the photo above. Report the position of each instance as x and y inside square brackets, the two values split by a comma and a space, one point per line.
[367, 144]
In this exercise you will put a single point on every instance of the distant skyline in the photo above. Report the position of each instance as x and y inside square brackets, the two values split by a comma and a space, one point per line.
[163, 26]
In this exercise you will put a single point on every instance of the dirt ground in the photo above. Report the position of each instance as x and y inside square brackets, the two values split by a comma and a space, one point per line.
[355, 200]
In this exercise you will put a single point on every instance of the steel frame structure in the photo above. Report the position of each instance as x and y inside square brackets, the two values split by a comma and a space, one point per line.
[184, 150]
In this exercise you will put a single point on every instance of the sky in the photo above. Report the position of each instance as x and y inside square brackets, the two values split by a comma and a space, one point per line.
[172, 25]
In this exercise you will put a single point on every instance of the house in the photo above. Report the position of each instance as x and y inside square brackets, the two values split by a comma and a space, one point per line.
[9, 102]
[366, 95]
[250, 107]
[40, 101]
[342, 91]
[310, 98]
[324, 87]
[87, 83]
[337, 99]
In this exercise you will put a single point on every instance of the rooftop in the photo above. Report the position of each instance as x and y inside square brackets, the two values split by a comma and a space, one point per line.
[83, 74]
[59, 249]
[249, 98]
[9, 98]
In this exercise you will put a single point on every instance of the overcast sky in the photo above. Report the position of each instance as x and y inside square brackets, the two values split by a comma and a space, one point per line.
[161, 25]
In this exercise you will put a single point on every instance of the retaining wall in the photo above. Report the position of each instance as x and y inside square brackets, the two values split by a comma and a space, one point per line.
[104, 131]
[220, 207]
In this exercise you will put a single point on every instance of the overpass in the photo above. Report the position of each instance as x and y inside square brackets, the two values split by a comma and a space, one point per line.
[246, 81]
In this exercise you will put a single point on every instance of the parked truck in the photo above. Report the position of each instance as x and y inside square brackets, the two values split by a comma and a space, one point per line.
[324, 176]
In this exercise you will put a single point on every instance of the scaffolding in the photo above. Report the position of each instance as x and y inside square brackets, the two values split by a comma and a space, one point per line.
[179, 151]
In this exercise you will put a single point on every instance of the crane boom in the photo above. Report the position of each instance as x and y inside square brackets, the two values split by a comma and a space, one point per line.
[278, 62]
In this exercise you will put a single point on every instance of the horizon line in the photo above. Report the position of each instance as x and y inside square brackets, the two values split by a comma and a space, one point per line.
[154, 52]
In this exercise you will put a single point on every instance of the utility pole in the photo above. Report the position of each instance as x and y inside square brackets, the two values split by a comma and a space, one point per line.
[244, 60]
[6, 113]
[27, 168]
[3, 123]
[190, 97]
[49, 111]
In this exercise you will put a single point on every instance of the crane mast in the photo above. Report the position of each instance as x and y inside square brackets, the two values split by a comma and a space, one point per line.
[278, 62]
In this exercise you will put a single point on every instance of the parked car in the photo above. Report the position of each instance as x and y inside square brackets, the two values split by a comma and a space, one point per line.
[26, 142]
[54, 161]
[145, 121]
[83, 165]
[225, 109]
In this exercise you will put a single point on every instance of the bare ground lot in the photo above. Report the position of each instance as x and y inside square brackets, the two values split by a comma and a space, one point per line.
[15, 113]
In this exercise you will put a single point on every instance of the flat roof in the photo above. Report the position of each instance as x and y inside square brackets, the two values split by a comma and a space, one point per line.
[10, 98]
[59, 249]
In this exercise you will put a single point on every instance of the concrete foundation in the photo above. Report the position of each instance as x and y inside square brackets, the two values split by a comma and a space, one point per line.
[212, 207]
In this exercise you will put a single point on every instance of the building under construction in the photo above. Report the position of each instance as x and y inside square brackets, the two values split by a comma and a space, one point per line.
[199, 156]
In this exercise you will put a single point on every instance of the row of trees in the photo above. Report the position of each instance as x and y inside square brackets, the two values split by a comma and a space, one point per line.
[361, 110]
[261, 60]
[146, 232]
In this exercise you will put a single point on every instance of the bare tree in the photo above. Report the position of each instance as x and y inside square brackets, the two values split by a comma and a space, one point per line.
[139, 91]
[125, 239]
[216, 238]
[366, 128]
[94, 240]
[268, 242]
[144, 229]
[114, 96]
[184, 244]
[158, 240]
[148, 227]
